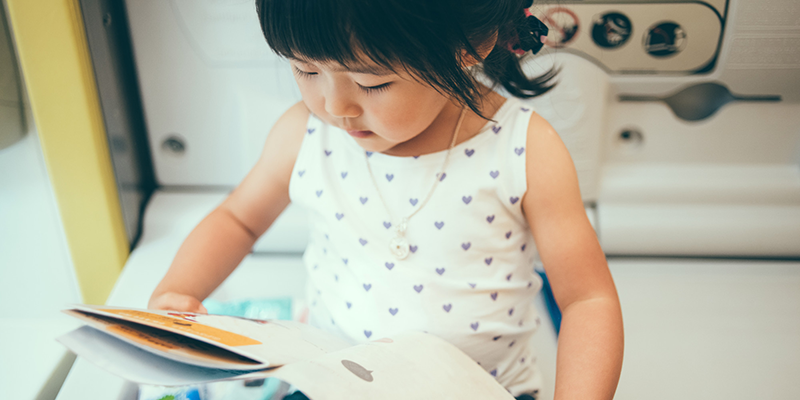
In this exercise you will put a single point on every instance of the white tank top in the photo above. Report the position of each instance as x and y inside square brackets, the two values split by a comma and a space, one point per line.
[469, 277]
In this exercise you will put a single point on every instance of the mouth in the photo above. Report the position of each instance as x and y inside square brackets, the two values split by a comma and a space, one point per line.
[360, 134]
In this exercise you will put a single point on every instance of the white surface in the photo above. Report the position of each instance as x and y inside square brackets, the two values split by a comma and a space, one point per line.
[700, 229]
[36, 275]
[709, 329]
[207, 75]
[30, 356]
[700, 209]
[30, 224]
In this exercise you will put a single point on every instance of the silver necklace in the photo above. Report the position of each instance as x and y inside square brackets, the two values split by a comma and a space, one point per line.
[399, 246]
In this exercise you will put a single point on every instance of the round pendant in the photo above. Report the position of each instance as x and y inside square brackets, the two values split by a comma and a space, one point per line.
[399, 247]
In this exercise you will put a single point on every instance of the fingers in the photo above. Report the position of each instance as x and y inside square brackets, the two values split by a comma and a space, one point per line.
[176, 302]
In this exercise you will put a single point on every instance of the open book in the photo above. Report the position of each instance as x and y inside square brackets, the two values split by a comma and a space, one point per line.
[176, 348]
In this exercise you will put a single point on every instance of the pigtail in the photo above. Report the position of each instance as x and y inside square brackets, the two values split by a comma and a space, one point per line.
[504, 68]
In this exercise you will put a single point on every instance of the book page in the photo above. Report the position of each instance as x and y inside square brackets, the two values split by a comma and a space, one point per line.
[136, 365]
[269, 342]
[411, 366]
[167, 344]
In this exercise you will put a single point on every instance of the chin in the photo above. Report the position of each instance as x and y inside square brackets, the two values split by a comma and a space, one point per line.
[374, 147]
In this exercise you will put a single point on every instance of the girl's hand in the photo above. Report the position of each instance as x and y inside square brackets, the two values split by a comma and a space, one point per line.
[176, 302]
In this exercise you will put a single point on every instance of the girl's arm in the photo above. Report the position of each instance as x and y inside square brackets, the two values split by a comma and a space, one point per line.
[219, 243]
[590, 343]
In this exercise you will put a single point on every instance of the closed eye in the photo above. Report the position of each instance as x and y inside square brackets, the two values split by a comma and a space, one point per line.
[375, 89]
[302, 73]
[368, 89]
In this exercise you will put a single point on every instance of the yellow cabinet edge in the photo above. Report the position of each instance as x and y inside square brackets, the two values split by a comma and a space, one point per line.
[59, 77]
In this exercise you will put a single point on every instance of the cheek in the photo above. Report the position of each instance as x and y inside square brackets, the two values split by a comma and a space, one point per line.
[311, 98]
[402, 119]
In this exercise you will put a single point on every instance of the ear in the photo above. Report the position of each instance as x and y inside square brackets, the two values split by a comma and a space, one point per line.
[483, 50]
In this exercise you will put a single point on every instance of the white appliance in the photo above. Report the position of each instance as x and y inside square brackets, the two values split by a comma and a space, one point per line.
[700, 218]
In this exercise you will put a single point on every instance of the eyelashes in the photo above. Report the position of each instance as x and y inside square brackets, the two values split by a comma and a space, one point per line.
[367, 89]
[375, 89]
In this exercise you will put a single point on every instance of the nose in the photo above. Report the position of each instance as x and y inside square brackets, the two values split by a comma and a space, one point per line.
[339, 103]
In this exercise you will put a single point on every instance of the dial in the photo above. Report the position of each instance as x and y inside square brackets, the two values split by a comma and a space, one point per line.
[563, 25]
[611, 30]
[665, 39]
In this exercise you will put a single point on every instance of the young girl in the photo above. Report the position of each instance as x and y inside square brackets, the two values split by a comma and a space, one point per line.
[429, 194]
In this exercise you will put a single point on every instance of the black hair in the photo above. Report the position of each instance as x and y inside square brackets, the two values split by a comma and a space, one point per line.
[424, 37]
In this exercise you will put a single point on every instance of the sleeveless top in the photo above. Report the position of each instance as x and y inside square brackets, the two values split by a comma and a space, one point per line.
[469, 276]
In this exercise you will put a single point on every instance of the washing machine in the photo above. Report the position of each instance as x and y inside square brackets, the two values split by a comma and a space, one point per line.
[682, 118]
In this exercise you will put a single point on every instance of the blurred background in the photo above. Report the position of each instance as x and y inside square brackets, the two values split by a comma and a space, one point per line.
[123, 123]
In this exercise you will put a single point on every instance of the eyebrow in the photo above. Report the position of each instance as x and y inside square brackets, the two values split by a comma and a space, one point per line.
[358, 68]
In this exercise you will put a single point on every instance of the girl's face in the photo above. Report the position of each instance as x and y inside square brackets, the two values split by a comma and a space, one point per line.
[378, 108]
